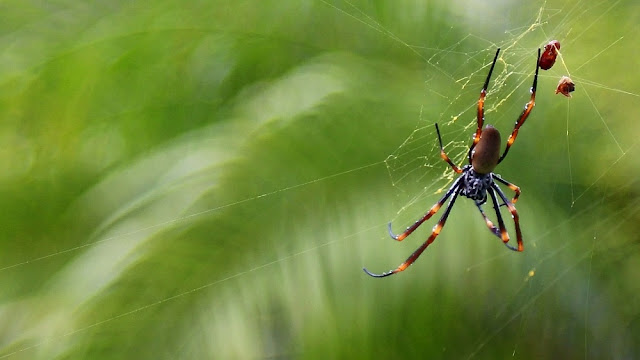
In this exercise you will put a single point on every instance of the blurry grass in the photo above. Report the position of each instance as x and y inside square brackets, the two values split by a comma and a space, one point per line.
[169, 187]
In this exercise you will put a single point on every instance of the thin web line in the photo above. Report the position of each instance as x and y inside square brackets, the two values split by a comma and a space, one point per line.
[596, 20]
[381, 29]
[529, 303]
[550, 284]
[598, 54]
[614, 163]
[191, 216]
[188, 292]
[604, 122]
[586, 310]
[569, 155]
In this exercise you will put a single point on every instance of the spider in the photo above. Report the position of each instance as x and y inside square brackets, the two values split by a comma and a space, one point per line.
[477, 179]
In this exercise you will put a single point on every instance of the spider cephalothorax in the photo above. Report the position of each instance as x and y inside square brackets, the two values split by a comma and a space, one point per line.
[477, 179]
[475, 185]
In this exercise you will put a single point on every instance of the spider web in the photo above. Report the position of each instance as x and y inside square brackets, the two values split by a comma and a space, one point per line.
[415, 167]
[566, 251]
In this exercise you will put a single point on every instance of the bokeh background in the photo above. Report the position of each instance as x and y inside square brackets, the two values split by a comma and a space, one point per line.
[206, 179]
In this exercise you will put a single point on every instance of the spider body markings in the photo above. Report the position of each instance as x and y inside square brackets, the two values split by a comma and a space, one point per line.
[477, 179]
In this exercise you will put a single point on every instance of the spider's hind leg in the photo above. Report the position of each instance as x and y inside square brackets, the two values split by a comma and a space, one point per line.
[503, 230]
[489, 223]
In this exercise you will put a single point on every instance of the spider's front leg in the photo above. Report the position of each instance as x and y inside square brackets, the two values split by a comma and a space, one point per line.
[444, 155]
[528, 107]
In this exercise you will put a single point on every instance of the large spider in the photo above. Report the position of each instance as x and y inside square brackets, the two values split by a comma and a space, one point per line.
[477, 179]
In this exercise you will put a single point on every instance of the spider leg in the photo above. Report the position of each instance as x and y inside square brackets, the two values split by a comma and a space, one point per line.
[434, 209]
[511, 186]
[444, 155]
[503, 230]
[525, 113]
[480, 114]
[514, 215]
[490, 225]
[436, 231]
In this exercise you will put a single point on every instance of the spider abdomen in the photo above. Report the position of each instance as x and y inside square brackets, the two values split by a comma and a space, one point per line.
[486, 154]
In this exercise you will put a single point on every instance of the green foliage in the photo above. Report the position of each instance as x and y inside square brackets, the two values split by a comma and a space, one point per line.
[206, 180]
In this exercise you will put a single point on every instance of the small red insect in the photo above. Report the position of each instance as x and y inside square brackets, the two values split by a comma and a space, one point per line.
[565, 86]
[549, 55]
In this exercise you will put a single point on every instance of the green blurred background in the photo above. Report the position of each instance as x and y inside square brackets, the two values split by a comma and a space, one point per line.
[206, 179]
